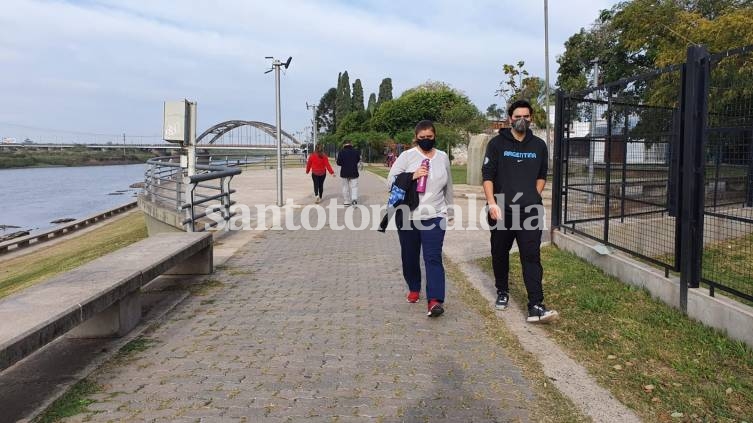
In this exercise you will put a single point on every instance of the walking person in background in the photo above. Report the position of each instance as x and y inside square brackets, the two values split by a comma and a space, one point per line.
[514, 174]
[425, 228]
[318, 165]
[348, 159]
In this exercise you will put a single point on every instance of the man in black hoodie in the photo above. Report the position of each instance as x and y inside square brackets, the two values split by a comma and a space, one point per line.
[348, 159]
[514, 174]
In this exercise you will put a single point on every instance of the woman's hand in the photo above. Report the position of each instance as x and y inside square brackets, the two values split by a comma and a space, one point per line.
[422, 171]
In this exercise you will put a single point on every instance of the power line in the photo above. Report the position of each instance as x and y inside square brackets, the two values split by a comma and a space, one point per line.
[39, 128]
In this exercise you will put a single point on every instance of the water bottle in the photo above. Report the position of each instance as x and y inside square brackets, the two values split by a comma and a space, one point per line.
[421, 184]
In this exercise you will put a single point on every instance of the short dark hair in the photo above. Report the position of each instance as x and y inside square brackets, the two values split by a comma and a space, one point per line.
[517, 104]
[423, 125]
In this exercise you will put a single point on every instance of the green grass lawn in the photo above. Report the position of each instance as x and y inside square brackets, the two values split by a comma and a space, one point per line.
[730, 263]
[458, 172]
[23, 271]
[650, 356]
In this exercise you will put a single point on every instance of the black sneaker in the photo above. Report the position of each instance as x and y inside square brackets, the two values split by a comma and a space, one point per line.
[354, 203]
[538, 313]
[502, 299]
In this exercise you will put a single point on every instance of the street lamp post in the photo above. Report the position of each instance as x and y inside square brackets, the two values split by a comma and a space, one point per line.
[276, 64]
[546, 72]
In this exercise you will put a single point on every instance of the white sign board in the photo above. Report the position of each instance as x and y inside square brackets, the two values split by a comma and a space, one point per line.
[175, 123]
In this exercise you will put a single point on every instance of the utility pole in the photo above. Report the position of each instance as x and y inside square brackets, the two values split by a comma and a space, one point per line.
[313, 107]
[546, 64]
[276, 64]
[124, 152]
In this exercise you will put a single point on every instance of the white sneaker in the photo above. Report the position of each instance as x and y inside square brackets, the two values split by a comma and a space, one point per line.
[318, 200]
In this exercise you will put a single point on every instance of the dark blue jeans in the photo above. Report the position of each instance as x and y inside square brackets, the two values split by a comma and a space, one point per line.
[428, 238]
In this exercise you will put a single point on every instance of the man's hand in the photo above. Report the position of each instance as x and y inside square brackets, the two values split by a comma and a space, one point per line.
[495, 212]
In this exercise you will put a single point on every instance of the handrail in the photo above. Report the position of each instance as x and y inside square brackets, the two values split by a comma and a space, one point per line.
[166, 182]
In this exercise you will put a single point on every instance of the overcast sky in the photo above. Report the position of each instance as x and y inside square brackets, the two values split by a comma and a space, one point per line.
[106, 66]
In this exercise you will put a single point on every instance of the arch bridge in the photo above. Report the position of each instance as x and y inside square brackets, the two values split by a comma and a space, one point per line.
[244, 134]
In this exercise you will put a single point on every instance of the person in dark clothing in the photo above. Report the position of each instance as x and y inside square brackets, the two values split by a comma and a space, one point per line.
[514, 175]
[348, 159]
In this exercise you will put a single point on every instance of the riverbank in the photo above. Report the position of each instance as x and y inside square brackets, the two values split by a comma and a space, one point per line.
[25, 270]
[71, 157]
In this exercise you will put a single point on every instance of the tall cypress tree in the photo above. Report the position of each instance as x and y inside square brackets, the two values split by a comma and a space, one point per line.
[325, 113]
[343, 101]
[372, 104]
[385, 91]
[357, 101]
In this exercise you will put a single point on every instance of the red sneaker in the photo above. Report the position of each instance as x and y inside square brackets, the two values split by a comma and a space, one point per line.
[435, 308]
[412, 296]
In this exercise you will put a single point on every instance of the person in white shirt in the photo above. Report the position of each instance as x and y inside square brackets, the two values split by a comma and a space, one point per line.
[425, 225]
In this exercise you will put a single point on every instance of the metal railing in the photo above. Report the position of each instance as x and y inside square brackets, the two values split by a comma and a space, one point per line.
[661, 166]
[193, 197]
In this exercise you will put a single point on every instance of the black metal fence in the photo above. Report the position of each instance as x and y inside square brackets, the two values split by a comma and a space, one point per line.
[661, 166]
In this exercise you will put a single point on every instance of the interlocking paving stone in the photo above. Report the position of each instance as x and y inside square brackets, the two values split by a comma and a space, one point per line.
[314, 326]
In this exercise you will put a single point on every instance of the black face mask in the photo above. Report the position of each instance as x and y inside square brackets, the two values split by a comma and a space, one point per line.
[426, 145]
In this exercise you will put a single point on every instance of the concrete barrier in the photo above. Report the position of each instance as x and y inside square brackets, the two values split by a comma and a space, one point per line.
[99, 299]
[33, 239]
[476, 151]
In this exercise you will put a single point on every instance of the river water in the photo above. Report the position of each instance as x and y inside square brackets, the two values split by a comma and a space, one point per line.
[33, 197]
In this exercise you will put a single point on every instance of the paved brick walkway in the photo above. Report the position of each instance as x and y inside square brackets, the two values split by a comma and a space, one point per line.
[313, 326]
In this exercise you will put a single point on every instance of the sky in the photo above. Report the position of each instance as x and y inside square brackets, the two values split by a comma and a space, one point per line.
[107, 66]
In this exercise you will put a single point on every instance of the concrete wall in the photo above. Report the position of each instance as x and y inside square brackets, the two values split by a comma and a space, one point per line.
[160, 219]
[730, 316]
[476, 150]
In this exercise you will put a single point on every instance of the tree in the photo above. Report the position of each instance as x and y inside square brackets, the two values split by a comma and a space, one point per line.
[352, 122]
[521, 86]
[343, 99]
[495, 112]
[357, 100]
[372, 104]
[435, 101]
[325, 113]
[636, 36]
[385, 92]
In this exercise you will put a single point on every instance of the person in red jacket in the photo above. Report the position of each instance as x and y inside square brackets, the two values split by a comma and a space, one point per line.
[318, 165]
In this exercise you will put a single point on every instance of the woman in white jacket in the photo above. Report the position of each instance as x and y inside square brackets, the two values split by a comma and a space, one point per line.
[425, 226]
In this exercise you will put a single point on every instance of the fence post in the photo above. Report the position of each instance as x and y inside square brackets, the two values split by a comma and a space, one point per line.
[557, 160]
[608, 167]
[749, 181]
[623, 186]
[694, 115]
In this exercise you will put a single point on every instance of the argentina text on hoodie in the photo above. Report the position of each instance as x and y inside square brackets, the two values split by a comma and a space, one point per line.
[514, 166]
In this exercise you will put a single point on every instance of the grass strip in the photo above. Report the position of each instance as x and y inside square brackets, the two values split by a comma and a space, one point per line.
[651, 357]
[23, 271]
[459, 172]
[551, 405]
[73, 402]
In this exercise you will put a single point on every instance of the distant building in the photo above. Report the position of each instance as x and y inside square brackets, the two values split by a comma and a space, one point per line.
[9, 140]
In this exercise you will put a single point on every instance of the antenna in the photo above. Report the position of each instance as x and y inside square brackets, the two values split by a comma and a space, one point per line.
[288, 62]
